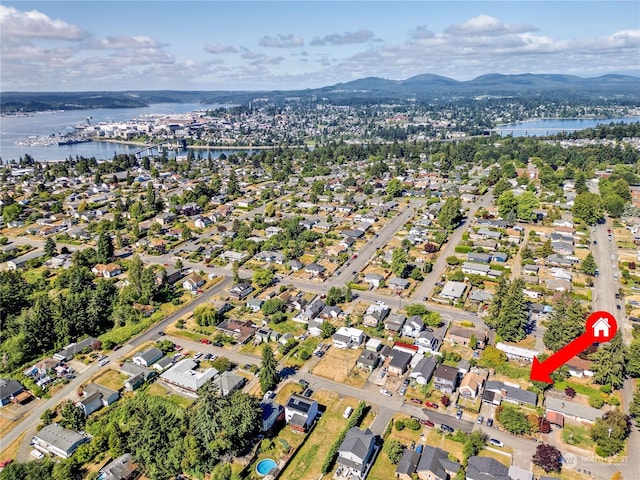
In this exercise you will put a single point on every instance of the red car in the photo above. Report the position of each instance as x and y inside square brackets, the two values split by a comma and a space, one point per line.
[416, 400]
[431, 404]
[6, 462]
[427, 423]
[206, 341]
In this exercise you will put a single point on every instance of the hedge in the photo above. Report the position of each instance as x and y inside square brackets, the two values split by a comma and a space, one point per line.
[355, 419]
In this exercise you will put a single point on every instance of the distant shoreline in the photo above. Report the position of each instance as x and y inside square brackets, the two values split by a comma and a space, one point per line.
[205, 147]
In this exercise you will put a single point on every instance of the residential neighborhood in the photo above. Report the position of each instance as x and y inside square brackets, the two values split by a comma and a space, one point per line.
[351, 320]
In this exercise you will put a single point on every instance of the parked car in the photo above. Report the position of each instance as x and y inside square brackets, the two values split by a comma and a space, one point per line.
[618, 307]
[489, 422]
[206, 341]
[385, 392]
[178, 348]
[207, 356]
[496, 442]
[406, 382]
[402, 390]
[161, 333]
[6, 462]
[216, 344]
[480, 419]
[307, 393]
[37, 453]
[269, 395]
[447, 428]
[427, 423]
[459, 414]
[415, 400]
[197, 355]
[431, 404]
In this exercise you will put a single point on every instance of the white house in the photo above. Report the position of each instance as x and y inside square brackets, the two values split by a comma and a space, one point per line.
[348, 337]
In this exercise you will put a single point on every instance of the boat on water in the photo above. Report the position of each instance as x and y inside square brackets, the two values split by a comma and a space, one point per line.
[73, 141]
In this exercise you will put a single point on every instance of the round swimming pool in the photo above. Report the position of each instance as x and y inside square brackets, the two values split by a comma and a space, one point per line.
[265, 466]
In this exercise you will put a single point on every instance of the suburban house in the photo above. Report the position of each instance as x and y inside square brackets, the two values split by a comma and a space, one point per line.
[10, 391]
[374, 314]
[374, 279]
[21, 262]
[427, 341]
[423, 371]
[481, 269]
[121, 468]
[572, 410]
[395, 322]
[445, 378]
[95, 397]
[70, 351]
[300, 412]
[356, 452]
[479, 257]
[484, 468]
[399, 362]
[57, 440]
[106, 271]
[192, 282]
[434, 464]
[272, 412]
[348, 337]
[240, 290]
[413, 326]
[514, 352]
[314, 269]
[148, 357]
[495, 392]
[368, 360]
[228, 383]
[462, 336]
[241, 331]
[472, 384]
[397, 283]
[184, 377]
[255, 304]
[453, 290]
[407, 464]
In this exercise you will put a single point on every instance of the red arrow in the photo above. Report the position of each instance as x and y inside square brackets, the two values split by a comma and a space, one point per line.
[540, 370]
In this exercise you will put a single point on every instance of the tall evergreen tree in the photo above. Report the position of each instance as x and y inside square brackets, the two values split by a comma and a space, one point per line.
[499, 299]
[514, 314]
[50, 247]
[268, 374]
[566, 323]
[105, 248]
[608, 365]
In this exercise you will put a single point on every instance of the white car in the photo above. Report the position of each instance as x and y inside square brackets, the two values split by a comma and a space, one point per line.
[37, 454]
[385, 392]
[496, 442]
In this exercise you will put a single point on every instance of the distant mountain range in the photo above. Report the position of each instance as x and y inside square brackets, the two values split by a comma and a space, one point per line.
[427, 87]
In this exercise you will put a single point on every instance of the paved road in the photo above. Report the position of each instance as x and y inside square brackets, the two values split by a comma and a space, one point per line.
[30, 420]
[425, 289]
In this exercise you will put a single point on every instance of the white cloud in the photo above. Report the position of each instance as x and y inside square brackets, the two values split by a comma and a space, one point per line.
[486, 25]
[218, 49]
[281, 41]
[123, 42]
[361, 36]
[33, 24]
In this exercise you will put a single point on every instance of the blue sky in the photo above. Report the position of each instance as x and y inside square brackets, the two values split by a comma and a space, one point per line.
[211, 45]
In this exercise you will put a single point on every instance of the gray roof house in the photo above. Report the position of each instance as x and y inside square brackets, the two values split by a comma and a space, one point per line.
[495, 392]
[148, 357]
[572, 410]
[453, 290]
[423, 371]
[68, 352]
[413, 326]
[395, 322]
[228, 383]
[445, 378]
[399, 362]
[486, 468]
[95, 396]
[184, 376]
[434, 464]
[122, 468]
[368, 360]
[58, 440]
[407, 464]
[356, 452]
[8, 390]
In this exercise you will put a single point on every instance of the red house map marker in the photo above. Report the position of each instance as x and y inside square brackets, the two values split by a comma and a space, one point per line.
[600, 327]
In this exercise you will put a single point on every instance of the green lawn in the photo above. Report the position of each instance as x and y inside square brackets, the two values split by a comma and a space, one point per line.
[577, 435]
[579, 388]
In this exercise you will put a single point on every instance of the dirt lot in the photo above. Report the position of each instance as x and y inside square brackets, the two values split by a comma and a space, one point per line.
[336, 364]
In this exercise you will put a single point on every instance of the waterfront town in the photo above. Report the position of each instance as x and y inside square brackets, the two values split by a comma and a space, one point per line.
[346, 311]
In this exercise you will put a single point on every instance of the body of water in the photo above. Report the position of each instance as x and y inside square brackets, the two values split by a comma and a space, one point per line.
[16, 128]
[550, 126]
